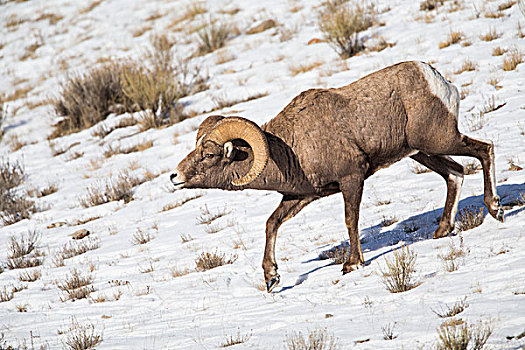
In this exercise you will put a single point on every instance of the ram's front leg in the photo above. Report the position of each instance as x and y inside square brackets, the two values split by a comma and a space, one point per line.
[287, 209]
[352, 189]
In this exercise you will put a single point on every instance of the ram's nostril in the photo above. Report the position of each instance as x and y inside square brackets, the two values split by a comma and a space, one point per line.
[172, 177]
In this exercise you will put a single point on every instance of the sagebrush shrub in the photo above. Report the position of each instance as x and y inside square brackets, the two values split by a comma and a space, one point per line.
[14, 205]
[459, 306]
[469, 218]
[128, 86]
[399, 273]
[341, 25]
[208, 261]
[318, 339]
[86, 99]
[511, 62]
[213, 35]
[114, 189]
[82, 336]
[460, 335]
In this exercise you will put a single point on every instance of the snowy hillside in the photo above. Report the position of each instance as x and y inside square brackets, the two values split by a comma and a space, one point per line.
[139, 283]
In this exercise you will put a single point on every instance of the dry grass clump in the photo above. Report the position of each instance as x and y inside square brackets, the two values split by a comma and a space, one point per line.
[380, 45]
[207, 261]
[115, 189]
[460, 335]
[338, 254]
[493, 14]
[341, 24]
[88, 98]
[513, 166]
[24, 245]
[150, 120]
[286, 32]
[29, 51]
[471, 167]
[22, 251]
[208, 217]
[467, 66]
[469, 218]
[388, 331]
[72, 249]
[494, 81]
[453, 38]
[490, 105]
[224, 56]
[82, 337]
[153, 90]
[90, 7]
[449, 311]
[429, 5]
[514, 58]
[146, 267]
[139, 147]
[506, 5]
[53, 18]
[103, 130]
[76, 285]
[16, 143]
[44, 191]
[417, 168]
[175, 272]
[451, 258]
[296, 69]
[30, 276]
[389, 221]
[492, 34]
[213, 35]
[6, 294]
[141, 237]
[318, 339]
[498, 51]
[181, 202]
[192, 10]
[399, 274]
[475, 121]
[232, 340]
[13, 206]
[261, 27]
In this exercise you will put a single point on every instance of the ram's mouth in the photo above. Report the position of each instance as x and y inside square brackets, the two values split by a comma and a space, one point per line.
[177, 180]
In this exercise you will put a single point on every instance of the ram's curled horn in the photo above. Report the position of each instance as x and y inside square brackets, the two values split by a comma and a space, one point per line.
[206, 126]
[232, 128]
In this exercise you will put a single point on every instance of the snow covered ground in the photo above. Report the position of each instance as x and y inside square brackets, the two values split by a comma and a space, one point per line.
[136, 309]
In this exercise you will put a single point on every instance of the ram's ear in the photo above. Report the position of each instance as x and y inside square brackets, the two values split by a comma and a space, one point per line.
[228, 150]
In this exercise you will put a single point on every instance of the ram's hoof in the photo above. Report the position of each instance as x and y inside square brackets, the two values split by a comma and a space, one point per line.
[500, 216]
[274, 281]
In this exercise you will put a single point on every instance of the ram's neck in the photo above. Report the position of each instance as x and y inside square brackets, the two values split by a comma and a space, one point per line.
[283, 172]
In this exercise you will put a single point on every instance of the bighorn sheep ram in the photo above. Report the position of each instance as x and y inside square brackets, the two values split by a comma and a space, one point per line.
[330, 140]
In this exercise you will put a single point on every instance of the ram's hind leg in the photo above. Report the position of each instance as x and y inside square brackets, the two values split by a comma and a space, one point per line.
[452, 172]
[484, 152]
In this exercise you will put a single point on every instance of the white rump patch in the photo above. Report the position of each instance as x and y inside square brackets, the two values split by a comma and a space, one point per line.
[442, 89]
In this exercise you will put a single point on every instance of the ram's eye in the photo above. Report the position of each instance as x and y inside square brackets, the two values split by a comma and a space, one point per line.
[209, 155]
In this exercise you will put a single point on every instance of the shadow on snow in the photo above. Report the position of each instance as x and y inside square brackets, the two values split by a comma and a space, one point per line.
[416, 228]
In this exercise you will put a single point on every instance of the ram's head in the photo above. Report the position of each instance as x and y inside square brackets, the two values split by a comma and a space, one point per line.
[230, 153]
